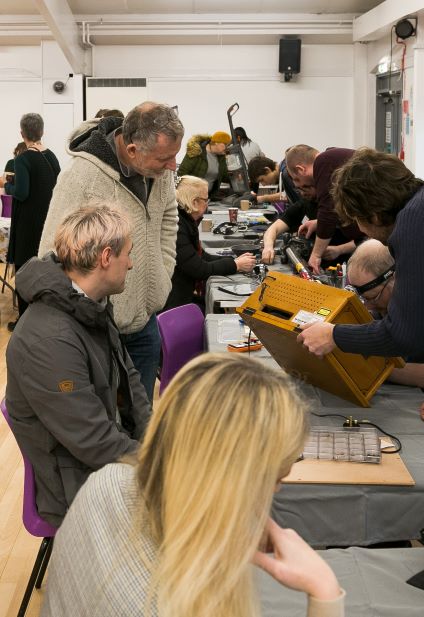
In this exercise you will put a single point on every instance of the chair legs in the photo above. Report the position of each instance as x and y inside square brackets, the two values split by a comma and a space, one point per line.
[37, 573]
[44, 564]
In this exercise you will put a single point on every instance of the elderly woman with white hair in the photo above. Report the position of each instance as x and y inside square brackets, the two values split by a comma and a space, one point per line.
[194, 265]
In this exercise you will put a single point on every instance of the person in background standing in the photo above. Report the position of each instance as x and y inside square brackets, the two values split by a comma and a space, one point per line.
[9, 170]
[106, 113]
[205, 158]
[36, 172]
[250, 148]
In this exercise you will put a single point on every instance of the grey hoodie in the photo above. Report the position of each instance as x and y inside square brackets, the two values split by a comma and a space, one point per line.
[74, 398]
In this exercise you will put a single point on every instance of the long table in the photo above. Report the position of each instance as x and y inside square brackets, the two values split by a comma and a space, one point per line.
[374, 581]
[346, 515]
[217, 298]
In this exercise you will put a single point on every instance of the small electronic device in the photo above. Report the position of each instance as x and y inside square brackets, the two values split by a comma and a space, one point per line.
[242, 347]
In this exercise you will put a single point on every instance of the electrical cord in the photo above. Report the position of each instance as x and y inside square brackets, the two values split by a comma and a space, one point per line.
[352, 423]
[396, 439]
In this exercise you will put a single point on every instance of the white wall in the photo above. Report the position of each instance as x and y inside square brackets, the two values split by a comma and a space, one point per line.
[26, 79]
[204, 81]
[316, 108]
[20, 92]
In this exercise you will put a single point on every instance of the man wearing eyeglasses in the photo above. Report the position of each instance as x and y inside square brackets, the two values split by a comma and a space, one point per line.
[371, 271]
[130, 163]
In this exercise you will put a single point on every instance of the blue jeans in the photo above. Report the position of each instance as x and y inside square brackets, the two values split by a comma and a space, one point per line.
[144, 350]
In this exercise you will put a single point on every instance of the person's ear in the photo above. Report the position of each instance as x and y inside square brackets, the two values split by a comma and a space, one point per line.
[267, 170]
[105, 257]
[131, 150]
[300, 170]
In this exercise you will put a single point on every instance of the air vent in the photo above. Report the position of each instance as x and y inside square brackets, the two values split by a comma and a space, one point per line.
[108, 82]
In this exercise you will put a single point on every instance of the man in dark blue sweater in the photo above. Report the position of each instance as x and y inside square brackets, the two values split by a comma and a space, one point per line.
[386, 200]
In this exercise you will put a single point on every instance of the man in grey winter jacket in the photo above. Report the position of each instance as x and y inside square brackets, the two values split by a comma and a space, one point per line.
[75, 400]
[129, 163]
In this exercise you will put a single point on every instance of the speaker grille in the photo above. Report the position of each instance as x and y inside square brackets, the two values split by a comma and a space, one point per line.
[289, 61]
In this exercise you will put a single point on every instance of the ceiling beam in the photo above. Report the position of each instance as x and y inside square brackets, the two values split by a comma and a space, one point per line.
[65, 30]
[377, 23]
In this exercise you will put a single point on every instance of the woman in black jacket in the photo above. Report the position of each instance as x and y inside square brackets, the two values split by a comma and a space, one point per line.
[194, 265]
[36, 171]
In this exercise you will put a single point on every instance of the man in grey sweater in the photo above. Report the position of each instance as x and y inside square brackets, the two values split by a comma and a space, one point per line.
[74, 397]
[130, 163]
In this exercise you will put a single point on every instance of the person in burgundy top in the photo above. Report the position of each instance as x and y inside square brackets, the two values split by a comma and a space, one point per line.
[310, 168]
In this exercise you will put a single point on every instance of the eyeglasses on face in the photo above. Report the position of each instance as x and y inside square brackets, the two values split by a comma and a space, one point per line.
[205, 199]
[376, 298]
[162, 119]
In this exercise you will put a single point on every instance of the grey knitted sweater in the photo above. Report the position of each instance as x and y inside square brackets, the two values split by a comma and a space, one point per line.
[90, 178]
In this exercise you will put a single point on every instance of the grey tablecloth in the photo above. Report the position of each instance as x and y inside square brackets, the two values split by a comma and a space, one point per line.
[214, 295]
[374, 581]
[345, 515]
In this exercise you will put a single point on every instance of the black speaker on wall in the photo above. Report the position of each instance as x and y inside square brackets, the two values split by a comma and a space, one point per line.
[289, 60]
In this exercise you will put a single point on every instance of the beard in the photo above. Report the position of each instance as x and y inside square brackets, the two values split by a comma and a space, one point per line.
[150, 173]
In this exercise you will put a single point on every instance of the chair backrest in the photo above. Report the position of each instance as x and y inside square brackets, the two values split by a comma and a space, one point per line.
[33, 522]
[6, 209]
[182, 333]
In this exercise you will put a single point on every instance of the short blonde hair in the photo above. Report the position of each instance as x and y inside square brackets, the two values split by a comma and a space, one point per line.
[83, 234]
[225, 431]
[187, 190]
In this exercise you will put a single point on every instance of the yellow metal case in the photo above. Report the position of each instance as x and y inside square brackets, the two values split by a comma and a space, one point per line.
[274, 312]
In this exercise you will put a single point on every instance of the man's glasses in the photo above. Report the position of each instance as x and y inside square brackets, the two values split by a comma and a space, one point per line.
[376, 298]
[155, 121]
[205, 199]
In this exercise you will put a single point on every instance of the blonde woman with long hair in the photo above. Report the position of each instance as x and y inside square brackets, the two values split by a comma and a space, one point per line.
[176, 534]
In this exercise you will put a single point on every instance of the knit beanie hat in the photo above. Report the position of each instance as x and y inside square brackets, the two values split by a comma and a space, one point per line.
[221, 138]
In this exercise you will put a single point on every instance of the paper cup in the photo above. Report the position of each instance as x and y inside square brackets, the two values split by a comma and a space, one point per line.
[232, 214]
[207, 225]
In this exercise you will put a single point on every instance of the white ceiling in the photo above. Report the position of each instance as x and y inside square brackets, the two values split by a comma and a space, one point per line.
[187, 21]
[126, 7]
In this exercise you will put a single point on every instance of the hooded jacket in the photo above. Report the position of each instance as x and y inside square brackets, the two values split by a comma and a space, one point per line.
[74, 398]
[94, 174]
[195, 162]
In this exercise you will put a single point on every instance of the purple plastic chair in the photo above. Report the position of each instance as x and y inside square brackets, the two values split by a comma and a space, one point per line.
[181, 330]
[35, 525]
[6, 209]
